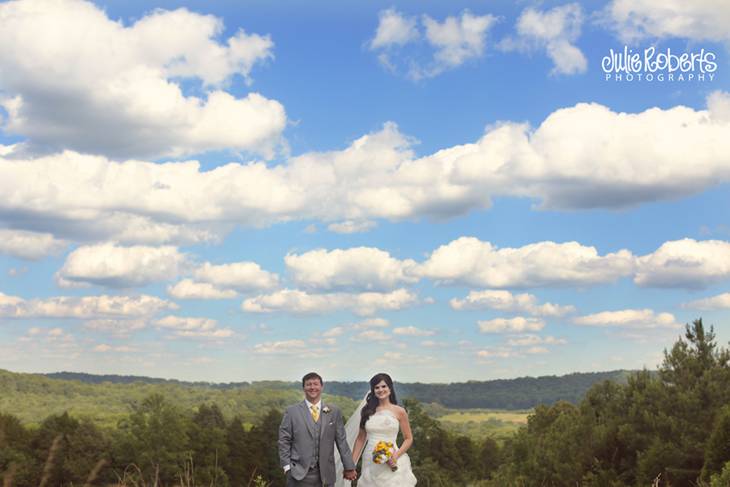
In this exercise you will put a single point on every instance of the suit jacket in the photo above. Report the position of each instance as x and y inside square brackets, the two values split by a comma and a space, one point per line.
[296, 441]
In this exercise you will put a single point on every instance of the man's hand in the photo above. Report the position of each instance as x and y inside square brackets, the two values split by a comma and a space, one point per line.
[350, 474]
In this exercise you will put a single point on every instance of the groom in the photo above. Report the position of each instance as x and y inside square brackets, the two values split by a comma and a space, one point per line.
[307, 438]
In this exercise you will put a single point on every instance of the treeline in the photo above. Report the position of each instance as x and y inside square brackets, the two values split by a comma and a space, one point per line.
[520, 393]
[32, 398]
[666, 429]
[161, 444]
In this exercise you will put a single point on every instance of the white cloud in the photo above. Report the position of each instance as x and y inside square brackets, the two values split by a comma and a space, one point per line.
[456, 40]
[533, 340]
[117, 327]
[87, 307]
[242, 276]
[29, 245]
[114, 266]
[119, 95]
[506, 301]
[685, 263]
[629, 318]
[360, 268]
[412, 331]
[696, 20]
[103, 348]
[349, 226]
[189, 289]
[394, 29]
[189, 327]
[472, 262]
[554, 30]
[451, 43]
[536, 350]
[284, 346]
[721, 301]
[296, 301]
[642, 159]
[372, 336]
[495, 353]
[334, 332]
[371, 323]
[517, 324]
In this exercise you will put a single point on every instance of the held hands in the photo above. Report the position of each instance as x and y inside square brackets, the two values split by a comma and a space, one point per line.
[350, 474]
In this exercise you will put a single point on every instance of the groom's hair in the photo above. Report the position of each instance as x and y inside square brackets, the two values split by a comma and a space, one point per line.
[312, 375]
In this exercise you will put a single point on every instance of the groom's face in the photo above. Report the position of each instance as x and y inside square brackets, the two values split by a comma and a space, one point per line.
[313, 390]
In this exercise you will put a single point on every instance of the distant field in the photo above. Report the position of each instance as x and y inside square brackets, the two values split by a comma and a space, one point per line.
[478, 423]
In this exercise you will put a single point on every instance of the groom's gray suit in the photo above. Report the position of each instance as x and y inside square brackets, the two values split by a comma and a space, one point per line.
[308, 447]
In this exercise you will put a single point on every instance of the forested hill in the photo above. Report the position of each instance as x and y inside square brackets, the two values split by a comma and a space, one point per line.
[521, 393]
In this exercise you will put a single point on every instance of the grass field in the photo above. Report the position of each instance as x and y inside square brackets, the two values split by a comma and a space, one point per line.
[478, 423]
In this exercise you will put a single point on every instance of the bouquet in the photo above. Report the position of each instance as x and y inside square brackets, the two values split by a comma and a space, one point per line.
[383, 452]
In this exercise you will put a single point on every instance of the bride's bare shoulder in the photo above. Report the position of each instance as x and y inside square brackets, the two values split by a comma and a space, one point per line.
[399, 411]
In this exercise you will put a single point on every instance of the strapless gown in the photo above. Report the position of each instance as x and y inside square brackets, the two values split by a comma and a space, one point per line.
[383, 426]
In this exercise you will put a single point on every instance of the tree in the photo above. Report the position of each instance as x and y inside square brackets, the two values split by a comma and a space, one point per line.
[157, 440]
[208, 441]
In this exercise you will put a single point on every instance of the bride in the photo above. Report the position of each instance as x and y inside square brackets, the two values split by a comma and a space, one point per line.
[379, 420]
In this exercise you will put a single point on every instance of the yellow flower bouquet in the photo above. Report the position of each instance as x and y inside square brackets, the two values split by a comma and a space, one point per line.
[383, 452]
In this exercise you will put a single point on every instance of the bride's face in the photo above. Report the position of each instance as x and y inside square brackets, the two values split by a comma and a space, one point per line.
[381, 390]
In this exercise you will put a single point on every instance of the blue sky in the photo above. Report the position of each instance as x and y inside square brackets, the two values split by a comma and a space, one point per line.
[225, 192]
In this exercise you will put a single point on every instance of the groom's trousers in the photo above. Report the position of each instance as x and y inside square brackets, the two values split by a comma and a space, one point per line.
[312, 479]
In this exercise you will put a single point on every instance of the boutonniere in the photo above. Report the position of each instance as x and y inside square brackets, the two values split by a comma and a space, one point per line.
[326, 409]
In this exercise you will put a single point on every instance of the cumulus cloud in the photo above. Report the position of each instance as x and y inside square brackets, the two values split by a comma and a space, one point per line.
[283, 346]
[517, 324]
[470, 261]
[412, 331]
[721, 301]
[351, 227]
[629, 318]
[115, 266]
[297, 301]
[29, 245]
[371, 323]
[643, 158]
[697, 20]
[685, 263]
[120, 95]
[555, 31]
[456, 39]
[117, 327]
[451, 42]
[535, 340]
[394, 29]
[189, 327]
[372, 336]
[86, 307]
[104, 348]
[189, 289]
[359, 268]
[506, 301]
[241, 276]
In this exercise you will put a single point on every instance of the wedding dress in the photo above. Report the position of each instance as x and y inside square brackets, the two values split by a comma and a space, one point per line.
[383, 426]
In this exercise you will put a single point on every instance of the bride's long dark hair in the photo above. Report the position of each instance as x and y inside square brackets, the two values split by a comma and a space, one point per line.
[371, 403]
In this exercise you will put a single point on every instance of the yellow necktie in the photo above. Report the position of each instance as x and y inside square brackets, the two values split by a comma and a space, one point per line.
[315, 413]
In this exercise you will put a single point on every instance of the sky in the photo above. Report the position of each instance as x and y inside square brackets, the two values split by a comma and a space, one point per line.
[445, 191]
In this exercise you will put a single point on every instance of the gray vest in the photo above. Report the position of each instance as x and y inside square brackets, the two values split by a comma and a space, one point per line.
[317, 431]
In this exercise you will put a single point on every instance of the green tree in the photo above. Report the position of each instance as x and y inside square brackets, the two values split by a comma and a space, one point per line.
[239, 465]
[156, 440]
[208, 441]
[717, 453]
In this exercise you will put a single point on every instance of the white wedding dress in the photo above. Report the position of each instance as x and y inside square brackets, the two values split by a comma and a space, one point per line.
[383, 426]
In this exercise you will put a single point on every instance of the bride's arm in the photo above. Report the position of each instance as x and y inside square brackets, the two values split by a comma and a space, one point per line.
[405, 428]
[359, 445]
